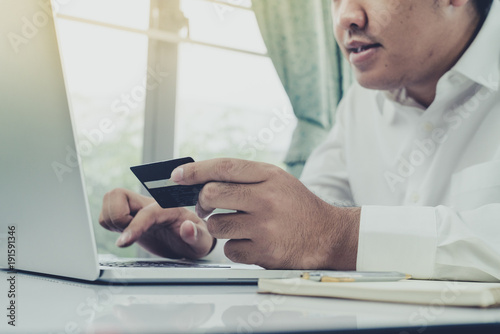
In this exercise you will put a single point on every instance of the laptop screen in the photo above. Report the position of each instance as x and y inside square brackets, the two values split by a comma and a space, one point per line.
[41, 191]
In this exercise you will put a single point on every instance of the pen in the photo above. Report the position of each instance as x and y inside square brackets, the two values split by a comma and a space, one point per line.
[355, 276]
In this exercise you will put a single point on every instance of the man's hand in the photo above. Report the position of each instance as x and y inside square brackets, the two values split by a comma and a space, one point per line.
[173, 233]
[278, 223]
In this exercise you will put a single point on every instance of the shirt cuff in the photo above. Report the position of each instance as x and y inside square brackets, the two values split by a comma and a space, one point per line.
[400, 239]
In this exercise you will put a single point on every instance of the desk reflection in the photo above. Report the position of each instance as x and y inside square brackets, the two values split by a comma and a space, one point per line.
[56, 306]
[134, 318]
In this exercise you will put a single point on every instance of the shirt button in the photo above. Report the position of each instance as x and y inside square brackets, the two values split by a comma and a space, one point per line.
[428, 127]
[415, 198]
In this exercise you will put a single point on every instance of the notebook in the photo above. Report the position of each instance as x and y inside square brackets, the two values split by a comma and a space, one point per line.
[437, 293]
[45, 223]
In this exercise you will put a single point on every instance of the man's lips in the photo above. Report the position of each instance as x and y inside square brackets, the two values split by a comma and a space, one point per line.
[362, 54]
[360, 47]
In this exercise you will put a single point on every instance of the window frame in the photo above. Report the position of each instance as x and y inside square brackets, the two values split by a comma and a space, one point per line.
[164, 38]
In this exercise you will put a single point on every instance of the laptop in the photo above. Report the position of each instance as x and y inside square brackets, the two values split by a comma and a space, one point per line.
[45, 226]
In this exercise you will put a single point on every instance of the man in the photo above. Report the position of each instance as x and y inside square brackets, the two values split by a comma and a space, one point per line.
[415, 147]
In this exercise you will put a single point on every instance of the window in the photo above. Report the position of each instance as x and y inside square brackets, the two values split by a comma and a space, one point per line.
[173, 78]
[234, 93]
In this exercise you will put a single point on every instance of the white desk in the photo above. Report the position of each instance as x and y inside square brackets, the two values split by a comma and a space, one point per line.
[49, 305]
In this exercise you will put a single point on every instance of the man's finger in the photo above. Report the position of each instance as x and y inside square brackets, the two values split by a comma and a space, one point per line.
[241, 251]
[231, 226]
[108, 227]
[221, 170]
[103, 222]
[197, 238]
[119, 206]
[143, 220]
[139, 224]
[228, 196]
[105, 215]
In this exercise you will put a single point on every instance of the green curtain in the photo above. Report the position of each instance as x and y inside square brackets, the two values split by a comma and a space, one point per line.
[300, 42]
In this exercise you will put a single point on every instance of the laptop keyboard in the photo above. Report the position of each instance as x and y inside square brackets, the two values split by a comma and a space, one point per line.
[157, 264]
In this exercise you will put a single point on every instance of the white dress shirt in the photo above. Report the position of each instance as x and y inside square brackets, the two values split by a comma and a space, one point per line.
[427, 180]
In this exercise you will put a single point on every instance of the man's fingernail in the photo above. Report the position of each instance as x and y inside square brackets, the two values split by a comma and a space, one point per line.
[195, 231]
[177, 174]
[123, 239]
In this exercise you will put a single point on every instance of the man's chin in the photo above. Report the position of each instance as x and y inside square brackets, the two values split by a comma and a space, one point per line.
[376, 81]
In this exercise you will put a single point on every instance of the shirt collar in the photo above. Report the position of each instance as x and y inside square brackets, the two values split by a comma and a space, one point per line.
[481, 61]
[391, 101]
[400, 96]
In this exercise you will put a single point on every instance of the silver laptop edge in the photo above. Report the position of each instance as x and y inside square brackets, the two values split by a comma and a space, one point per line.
[42, 191]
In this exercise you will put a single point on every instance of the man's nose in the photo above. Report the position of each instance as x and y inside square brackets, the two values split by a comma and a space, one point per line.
[349, 15]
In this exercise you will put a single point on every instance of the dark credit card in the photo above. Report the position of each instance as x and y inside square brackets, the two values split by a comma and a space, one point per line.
[155, 178]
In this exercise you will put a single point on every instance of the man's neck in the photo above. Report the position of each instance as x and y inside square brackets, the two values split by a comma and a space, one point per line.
[424, 95]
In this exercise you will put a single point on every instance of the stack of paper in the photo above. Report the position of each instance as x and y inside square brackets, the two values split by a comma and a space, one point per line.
[406, 291]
